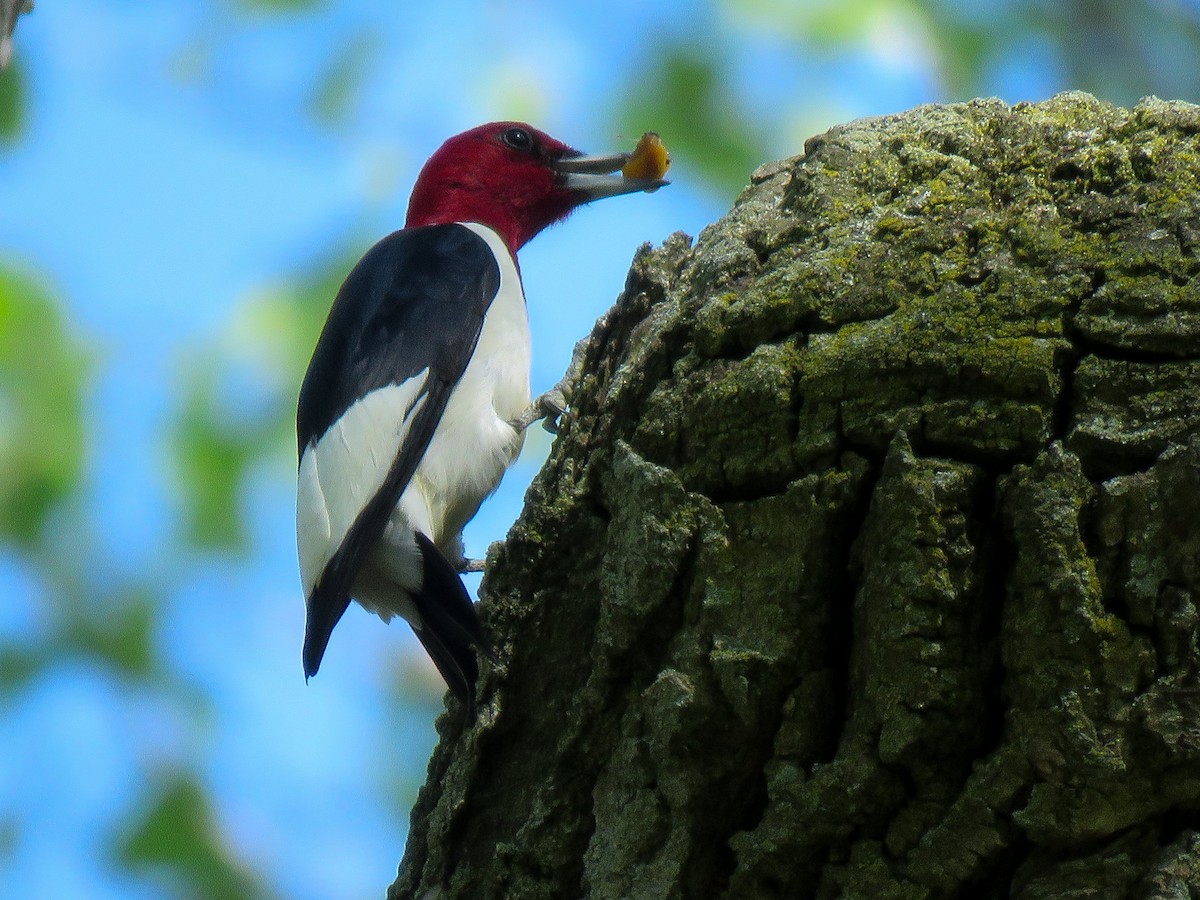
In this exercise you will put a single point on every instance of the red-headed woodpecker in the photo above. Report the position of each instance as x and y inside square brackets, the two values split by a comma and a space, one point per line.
[417, 396]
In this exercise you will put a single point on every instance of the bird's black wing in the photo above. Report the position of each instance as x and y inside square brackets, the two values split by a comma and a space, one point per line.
[403, 308]
[412, 308]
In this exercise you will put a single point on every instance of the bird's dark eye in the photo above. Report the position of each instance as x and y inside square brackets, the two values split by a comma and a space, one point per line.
[518, 139]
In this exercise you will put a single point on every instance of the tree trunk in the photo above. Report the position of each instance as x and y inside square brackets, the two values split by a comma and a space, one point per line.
[867, 563]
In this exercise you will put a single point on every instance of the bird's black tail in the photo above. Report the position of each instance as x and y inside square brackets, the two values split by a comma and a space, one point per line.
[450, 628]
[323, 614]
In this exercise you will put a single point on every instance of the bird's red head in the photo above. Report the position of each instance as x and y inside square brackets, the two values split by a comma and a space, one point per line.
[514, 179]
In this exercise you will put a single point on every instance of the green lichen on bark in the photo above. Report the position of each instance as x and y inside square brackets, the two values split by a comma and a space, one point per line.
[867, 561]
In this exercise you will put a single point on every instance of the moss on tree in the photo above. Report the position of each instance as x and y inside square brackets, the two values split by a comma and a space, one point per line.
[867, 563]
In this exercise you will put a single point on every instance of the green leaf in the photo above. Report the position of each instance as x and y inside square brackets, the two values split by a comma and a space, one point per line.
[42, 380]
[119, 631]
[178, 838]
[214, 452]
[340, 85]
[19, 666]
[13, 101]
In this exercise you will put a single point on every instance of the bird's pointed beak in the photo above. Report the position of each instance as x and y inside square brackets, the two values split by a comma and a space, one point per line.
[599, 175]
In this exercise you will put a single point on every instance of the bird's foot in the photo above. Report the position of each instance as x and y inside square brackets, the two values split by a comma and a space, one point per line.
[553, 404]
[548, 407]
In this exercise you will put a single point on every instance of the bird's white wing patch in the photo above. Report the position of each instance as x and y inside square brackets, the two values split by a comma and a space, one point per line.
[346, 467]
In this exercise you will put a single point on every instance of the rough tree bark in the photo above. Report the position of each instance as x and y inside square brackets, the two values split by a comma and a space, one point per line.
[867, 563]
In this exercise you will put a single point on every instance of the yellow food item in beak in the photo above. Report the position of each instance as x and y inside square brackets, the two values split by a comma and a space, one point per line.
[650, 159]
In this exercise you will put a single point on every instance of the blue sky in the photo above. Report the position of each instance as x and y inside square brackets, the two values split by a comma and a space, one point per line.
[172, 177]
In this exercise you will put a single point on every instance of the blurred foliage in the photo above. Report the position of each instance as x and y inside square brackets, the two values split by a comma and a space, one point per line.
[1118, 50]
[214, 453]
[278, 6]
[118, 633]
[177, 842]
[10, 830]
[258, 352]
[42, 380]
[338, 87]
[681, 94]
[18, 665]
[13, 102]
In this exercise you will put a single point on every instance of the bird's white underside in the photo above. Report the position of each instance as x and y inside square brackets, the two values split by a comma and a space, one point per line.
[468, 455]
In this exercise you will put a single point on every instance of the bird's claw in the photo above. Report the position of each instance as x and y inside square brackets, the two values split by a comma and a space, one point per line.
[549, 407]
[552, 405]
